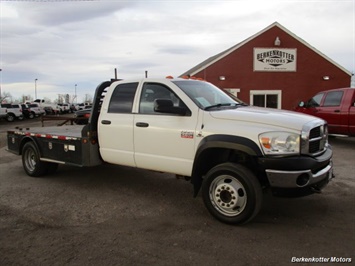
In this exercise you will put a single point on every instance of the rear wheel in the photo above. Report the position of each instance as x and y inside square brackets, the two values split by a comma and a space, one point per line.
[232, 193]
[32, 164]
[31, 115]
[10, 117]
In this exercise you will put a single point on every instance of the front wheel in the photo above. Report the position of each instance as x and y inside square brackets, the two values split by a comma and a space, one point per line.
[232, 193]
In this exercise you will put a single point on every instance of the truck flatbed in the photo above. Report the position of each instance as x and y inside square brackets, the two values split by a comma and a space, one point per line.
[74, 131]
[64, 145]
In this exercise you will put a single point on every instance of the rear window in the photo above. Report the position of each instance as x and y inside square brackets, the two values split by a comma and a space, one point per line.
[122, 98]
[333, 98]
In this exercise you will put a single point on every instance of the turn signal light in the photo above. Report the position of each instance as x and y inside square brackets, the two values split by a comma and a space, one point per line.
[266, 143]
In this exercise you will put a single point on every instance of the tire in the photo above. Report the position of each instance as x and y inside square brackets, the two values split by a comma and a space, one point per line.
[232, 193]
[31, 115]
[31, 161]
[10, 117]
[20, 117]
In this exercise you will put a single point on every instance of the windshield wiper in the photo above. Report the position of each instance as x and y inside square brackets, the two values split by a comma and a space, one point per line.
[219, 105]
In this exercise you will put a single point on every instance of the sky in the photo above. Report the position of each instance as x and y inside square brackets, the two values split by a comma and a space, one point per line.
[52, 47]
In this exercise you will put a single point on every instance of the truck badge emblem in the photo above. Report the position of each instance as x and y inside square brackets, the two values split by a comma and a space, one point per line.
[187, 135]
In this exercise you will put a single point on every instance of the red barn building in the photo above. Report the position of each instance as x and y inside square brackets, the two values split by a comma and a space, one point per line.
[273, 68]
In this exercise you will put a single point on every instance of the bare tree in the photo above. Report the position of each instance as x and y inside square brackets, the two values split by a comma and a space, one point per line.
[25, 98]
[6, 97]
[88, 98]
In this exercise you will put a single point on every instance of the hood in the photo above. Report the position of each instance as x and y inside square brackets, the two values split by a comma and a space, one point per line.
[267, 116]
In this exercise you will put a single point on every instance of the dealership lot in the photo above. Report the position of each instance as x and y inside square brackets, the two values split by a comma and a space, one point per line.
[113, 215]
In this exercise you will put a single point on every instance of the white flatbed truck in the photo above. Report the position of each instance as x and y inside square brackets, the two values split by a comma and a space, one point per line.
[229, 150]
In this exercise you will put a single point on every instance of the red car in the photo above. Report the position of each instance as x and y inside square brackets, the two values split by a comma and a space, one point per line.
[337, 107]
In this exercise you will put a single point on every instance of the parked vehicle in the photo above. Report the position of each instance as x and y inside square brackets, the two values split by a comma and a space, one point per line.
[79, 106]
[82, 116]
[25, 111]
[63, 108]
[35, 110]
[49, 108]
[337, 107]
[14, 111]
[193, 129]
[3, 112]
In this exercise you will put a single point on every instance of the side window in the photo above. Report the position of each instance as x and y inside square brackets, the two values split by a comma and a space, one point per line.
[333, 98]
[315, 101]
[122, 98]
[153, 91]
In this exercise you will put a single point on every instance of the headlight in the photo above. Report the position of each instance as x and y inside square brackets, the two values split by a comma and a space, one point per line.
[280, 143]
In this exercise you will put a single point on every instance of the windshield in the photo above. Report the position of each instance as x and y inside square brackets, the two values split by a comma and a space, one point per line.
[207, 96]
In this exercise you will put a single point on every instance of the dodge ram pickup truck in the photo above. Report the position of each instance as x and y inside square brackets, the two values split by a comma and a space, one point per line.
[337, 107]
[227, 149]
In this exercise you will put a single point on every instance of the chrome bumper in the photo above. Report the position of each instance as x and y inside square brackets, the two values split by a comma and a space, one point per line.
[298, 179]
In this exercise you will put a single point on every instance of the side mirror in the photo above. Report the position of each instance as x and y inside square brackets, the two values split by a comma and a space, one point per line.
[301, 104]
[167, 106]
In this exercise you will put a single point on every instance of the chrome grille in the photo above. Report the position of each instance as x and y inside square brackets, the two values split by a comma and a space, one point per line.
[314, 138]
[315, 132]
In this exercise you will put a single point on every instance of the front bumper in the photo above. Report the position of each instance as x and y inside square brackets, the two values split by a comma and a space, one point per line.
[293, 179]
[299, 172]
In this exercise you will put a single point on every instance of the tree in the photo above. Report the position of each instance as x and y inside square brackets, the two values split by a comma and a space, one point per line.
[88, 98]
[25, 98]
[6, 97]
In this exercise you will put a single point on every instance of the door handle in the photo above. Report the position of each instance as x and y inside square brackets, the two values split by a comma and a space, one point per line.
[336, 111]
[105, 122]
[142, 124]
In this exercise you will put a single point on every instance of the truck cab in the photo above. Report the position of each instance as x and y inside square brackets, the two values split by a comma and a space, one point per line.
[336, 106]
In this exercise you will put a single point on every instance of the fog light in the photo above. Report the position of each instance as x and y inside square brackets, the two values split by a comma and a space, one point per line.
[302, 180]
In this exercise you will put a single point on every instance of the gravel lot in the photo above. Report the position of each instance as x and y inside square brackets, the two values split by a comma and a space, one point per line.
[113, 215]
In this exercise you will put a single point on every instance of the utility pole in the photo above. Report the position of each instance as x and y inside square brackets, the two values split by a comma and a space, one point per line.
[36, 89]
[0, 81]
[75, 94]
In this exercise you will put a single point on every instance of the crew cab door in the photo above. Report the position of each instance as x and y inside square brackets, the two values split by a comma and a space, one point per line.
[164, 141]
[115, 128]
[352, 115]
[334, 112]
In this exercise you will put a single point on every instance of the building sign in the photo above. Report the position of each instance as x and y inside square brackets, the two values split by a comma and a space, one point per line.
[275, 59]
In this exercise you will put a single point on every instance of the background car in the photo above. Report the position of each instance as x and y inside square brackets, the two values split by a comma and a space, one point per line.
[14, 111]
[82, 116]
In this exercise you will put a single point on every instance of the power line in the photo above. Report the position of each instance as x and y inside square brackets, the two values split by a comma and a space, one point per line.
[49, 0]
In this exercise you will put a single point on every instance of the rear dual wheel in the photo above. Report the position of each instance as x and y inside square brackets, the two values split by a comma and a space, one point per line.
[32, 164]
[232, 193]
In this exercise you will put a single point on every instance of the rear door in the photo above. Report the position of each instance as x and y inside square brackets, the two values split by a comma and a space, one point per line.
[352, 115]
[115, 127]
[331, 110]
